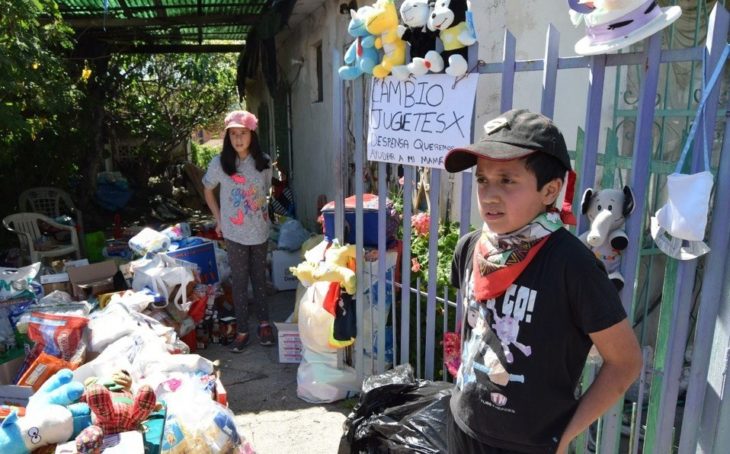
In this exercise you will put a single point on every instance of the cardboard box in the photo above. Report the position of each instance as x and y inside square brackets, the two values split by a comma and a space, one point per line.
[52, 282]
[281, 260]
[202, 255]
[15, 395]
[289, 343]
[92, 279]
[121, 443]
[9, 369]
[221, 395]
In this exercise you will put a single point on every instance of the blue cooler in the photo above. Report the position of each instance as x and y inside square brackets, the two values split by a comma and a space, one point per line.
[370, 220]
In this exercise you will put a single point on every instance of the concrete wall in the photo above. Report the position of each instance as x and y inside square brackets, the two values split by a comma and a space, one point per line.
[311, 121]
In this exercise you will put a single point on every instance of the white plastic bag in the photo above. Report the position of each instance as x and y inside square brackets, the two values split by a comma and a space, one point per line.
[161, 275]
[315, 323]
[319, 380]
[14, 282]
[678, 228]
[292, 234]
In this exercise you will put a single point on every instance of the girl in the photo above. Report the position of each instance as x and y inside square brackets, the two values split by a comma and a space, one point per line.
[244, 173]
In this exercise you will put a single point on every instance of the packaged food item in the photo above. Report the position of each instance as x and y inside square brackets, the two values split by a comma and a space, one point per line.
[42, 369]
[60, 335]
[178, 231]
[227, 330]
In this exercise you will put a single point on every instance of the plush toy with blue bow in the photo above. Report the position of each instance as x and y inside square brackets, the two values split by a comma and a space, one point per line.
[361, 57]
[383, 23]
[51, 417]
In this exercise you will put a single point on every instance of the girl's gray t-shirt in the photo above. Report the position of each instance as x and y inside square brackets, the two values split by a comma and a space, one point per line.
[243, 200]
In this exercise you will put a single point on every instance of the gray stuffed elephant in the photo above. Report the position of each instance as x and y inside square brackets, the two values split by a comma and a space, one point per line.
[607, 210]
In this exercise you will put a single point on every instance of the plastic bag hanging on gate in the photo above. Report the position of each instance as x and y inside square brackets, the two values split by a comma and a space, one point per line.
[678, 228]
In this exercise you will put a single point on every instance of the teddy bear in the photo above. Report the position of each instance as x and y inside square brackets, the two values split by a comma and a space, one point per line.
[448, 18]
[361, 57]
[114, 409]
[52, 416]
[607, 210]
[338, 266]
[382, 22]
[422, 40]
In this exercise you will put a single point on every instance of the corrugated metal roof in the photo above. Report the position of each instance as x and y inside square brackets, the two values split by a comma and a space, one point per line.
[131, 25]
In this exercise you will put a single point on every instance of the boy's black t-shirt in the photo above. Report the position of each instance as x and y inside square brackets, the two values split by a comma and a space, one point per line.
[523, 352]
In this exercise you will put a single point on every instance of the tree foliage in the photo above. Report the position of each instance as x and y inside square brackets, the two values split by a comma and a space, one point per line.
[36, 91]
[63, 98]
[162, 98]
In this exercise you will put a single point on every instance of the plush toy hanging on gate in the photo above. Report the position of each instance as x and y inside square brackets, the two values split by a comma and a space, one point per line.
[449, 18]
[607, 210]
[422, 40]
[361, 57]
[612, 25]
[382, 22]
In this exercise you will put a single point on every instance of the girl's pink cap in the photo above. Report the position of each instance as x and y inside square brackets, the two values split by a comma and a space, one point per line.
[241, 119]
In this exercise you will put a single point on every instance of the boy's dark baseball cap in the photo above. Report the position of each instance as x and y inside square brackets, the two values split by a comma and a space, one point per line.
[514, 134]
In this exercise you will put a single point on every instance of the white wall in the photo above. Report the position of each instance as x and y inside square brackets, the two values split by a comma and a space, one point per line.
[312, 122]
[528, 21]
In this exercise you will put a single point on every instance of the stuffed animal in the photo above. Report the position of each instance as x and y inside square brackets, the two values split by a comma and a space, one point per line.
[51, 416]
[361, 57]
[382, 22]
[336, 267]
[449, 19]
[114, 411]
[579, 8]
[422, 40]
[607, 210]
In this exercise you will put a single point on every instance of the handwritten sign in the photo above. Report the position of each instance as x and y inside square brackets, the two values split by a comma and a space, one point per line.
[417, 121]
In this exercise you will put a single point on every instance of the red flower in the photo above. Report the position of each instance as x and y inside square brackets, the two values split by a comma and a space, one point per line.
[420, 223]
[415, 266]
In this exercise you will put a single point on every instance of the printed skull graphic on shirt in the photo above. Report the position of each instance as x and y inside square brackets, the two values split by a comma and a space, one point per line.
[486, 355]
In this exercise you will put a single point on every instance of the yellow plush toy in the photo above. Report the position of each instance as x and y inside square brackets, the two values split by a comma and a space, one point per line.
[337, 267]
[382, 22]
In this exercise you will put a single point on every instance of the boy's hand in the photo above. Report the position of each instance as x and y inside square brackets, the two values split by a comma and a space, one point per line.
[621, 366]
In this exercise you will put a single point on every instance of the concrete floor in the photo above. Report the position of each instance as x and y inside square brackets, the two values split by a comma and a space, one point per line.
[263, 395]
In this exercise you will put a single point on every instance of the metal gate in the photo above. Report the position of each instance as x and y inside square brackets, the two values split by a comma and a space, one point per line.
[419, 317]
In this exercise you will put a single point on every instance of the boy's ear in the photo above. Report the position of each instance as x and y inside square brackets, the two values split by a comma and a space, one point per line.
[551, 191]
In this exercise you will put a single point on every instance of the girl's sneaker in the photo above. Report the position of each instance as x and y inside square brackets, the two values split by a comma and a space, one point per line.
[239, 343]
[266, 335]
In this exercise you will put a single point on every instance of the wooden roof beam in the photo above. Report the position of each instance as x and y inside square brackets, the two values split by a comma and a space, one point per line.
[67, 10]
[192, 21]
[178, 49]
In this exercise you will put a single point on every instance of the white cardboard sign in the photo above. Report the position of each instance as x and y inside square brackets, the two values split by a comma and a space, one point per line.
[417, 121]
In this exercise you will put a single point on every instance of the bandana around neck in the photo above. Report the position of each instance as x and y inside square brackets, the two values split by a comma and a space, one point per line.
[500, 258]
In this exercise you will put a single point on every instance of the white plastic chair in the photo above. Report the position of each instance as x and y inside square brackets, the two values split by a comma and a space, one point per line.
[52, 202]
[25, 225]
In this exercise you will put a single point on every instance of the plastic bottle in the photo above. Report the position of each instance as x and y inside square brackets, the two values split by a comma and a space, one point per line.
[178, 231]
[215, 333]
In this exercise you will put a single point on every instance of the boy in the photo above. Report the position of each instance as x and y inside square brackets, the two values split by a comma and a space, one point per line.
[535, 300]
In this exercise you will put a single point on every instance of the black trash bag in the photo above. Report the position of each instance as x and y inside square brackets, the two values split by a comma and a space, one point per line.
[398, 414]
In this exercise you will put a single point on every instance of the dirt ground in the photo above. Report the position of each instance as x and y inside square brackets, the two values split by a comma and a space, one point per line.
[263, 395]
